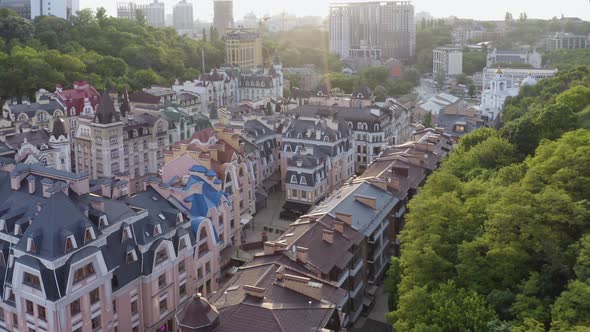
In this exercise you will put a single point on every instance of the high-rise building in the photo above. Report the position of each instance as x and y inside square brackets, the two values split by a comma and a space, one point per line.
[182, 16]
[373, 30]
[21, 7]
[223, 15]
[60, 8]
[243, 47]
[129, 10]
[155, 14]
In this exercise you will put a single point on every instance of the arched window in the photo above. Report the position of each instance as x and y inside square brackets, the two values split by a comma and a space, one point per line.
[22, 117]
[293, 179]
[359, 126]
[376, 127]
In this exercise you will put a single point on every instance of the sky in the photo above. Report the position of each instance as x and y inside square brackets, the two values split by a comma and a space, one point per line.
[477, 9]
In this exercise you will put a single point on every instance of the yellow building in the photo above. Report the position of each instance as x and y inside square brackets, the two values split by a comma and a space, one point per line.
[243, 47]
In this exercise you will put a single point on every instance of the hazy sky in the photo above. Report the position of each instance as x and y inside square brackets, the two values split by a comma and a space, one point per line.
[479, 9]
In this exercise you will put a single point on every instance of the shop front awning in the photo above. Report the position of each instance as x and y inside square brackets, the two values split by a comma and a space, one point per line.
[297, 207]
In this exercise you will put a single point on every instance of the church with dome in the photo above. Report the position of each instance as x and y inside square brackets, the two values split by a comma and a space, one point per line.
[500, 88]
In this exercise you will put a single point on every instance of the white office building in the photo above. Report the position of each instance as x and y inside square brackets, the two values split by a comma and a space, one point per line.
[447, 61]
[156, 14]
[60, 8]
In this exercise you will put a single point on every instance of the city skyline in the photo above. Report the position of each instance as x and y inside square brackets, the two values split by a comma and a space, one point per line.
[203, 10]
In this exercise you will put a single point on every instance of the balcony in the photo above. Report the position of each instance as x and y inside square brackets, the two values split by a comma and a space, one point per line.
[342, 278]
[357, 267]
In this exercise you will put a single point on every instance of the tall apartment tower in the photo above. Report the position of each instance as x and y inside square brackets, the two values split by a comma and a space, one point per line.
[60, 8]
[182, 16]
[21, 7]
[447, 61]
[129, 10]
[155, 14]
[376, 30]
[223, 15]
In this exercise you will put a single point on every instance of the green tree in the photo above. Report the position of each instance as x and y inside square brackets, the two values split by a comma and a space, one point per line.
[13, 26]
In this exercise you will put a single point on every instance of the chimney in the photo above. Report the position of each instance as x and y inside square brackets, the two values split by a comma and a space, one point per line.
[46, 187]
[328, 235]
[271, 248]
[367, 200]
[105, 189]
[280, 272]
[97, 203]
[31, 180]
[393, 182]
[302, 254]
[303, 286]
[345, 217]
[339, 226]
[257, 292]
[401, 171]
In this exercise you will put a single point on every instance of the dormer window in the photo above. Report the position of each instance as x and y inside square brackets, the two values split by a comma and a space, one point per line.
[179, 218]
[182, 244]
[70, 243]
[89, 235]
[293, 179]
[31, 246]
[17, 230]
[2, 225]
[303, 180]
[2, 260]
[103, 221]
[157, 229]
[126, 234]
[131, 256]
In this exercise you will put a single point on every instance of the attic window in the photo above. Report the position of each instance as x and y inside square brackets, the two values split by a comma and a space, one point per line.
[31, 280]
[126, 234]
[182, 244]
[2, 225]
[179, 218]
[154, 198]
[293, 179]
[83, 273]
[303, 180]
[131, 256]
[89, 235]
[17, 230]
[161, 256]
[157, 229]
[70, 243]
[31, 246]
[161, 216]
[103, 221]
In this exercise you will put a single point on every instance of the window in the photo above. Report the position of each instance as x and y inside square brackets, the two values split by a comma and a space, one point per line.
[136, 328]
[70, 244]
[131, 256]
[15, 320]
[83, 273]
[182, 244]
[303, 180]
[114, 306]
[207, 267]
[94, 296]
[163, 305]
[294, 193]
[41, 313]
[181, 267]
[31, 280]
[2, 319]
[30, 307]
[75, 307]
[161, 256]
[182, 290]
[162, 281]
[134, 307]
[96, 323]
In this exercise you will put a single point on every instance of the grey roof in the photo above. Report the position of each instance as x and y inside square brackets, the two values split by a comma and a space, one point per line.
[37, 138]
[31, 109]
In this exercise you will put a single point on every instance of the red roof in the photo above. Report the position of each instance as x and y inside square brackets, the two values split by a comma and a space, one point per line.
[204, 135]
[76, 97]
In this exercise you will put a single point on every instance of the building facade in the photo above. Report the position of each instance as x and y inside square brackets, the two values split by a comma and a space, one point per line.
[182, 17]
[223, 15]
[497, 57]
[447, 61]
[116, 143]
[566, 40]
[129, 10]
[93, 257]
[61, 8]
[155, 14]
[243, 48]
[373, 30]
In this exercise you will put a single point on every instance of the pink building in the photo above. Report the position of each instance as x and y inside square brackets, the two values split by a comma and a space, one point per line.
[77, 255]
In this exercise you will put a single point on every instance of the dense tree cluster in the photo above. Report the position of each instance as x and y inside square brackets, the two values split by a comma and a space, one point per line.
[499, 238]
[97, 48]
[378, 79]
[302, 46]
[568, 58]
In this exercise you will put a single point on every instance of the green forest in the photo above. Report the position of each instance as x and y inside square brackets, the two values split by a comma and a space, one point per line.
[498, 239]
[99, 49]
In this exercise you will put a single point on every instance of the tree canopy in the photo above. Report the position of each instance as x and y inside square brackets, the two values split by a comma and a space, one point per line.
[499, 237]
[96, 48]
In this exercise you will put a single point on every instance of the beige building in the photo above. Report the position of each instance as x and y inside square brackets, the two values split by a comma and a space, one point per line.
[115, 143]
[243, 47]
